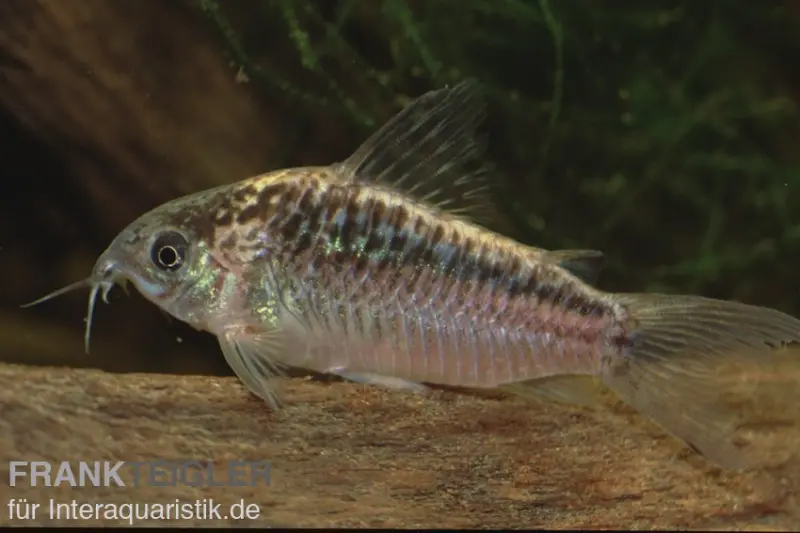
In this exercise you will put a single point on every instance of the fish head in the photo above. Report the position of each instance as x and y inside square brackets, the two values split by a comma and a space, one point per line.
[159, 259]
[166, 254]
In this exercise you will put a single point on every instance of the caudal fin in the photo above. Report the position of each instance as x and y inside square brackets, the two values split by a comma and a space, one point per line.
[718, 374]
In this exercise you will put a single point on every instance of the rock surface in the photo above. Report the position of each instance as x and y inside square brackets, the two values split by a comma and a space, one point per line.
[345, 455]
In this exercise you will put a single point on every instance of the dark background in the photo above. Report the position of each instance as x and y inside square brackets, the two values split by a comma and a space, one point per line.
[664, 134]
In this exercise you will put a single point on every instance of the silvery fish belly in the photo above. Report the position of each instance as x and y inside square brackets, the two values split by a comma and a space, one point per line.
[380, 269]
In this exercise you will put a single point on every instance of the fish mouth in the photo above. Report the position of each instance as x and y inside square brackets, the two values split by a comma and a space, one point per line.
[104, 277]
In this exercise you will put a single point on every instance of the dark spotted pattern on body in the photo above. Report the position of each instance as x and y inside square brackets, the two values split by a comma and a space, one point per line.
[345, 227]
[317, 223]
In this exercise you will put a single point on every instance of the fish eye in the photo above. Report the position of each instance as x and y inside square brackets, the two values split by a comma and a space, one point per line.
[169, 251]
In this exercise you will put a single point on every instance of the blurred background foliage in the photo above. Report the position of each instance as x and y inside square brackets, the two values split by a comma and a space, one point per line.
[661, 132]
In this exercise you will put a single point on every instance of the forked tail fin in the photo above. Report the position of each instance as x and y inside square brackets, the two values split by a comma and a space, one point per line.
[714, 373]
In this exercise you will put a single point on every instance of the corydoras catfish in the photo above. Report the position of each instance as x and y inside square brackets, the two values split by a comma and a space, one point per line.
[378, 269]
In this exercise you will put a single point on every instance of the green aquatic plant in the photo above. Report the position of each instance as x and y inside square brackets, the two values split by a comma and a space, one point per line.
[662, 134]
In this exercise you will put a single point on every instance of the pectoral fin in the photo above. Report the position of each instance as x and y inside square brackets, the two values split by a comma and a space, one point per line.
[254, 359]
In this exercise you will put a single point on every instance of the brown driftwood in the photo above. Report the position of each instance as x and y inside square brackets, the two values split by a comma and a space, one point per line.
[350, 456]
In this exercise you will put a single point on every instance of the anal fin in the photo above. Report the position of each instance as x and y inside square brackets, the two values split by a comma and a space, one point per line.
[586, 391]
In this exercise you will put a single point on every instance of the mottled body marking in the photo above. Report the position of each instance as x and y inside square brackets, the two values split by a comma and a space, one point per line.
[380, 269]
[359, 270]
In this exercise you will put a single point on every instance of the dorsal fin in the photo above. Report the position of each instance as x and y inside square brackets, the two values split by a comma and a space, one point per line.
[431, 151]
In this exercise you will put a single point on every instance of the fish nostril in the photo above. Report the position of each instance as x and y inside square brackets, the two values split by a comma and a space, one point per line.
[106, 270]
